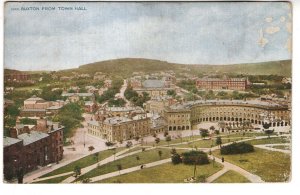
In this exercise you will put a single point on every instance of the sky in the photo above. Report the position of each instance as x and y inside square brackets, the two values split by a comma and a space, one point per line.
[43, 36]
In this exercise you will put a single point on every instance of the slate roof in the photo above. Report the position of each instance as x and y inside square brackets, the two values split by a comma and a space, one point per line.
[7, 141]
[32, 137]
[153, 84]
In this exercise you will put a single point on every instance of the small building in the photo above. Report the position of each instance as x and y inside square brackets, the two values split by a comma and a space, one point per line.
[90, 106]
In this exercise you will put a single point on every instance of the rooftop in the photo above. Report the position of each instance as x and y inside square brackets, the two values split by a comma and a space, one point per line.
[187, 105]
[32, 137]
[153, 84]
[34, 98]
[7, 141]
[79, 94]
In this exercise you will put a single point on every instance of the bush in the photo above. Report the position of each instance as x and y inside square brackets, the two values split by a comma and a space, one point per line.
[193, 157]
[176, 159]
[237, 148]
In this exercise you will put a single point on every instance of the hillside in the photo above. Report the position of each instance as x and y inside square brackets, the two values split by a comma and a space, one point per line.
[125, 66]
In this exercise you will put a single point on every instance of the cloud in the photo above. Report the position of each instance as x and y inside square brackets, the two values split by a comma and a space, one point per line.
[272, 29]
[289, 27]
[269, 19]
[282, 19]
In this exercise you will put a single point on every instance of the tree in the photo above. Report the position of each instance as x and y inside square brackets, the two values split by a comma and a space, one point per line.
[136, 138]
[269, 132]
[129, 144]
[171, 93]
[166, 133]
[176, 159]
[86, 180]
[137, 158]
[173, 151]
[219, 141]
[203, 133]
[195, 157]
[96, 156]
[168, 139]
[77, 171]
[217, 132]
[159, 154]
[237, 148]
[108, 144]
[119, 166]
[157, 140]
[212, 128]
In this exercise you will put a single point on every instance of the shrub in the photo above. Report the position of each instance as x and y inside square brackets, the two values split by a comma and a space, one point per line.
[237, 148]
[193, 157]
[176, 159]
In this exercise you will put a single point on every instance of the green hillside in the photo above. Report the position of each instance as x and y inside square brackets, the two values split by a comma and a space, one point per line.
[125, 66]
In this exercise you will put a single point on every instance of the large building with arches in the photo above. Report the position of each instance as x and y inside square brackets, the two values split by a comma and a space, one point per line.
[232, 113]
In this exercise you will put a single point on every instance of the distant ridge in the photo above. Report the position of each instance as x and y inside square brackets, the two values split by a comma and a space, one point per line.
[125, 67]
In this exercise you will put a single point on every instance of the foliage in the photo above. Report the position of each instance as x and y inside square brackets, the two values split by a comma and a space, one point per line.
[195, 157]
[171, 93]
[203, 132]
[49, 95]
[157, 140]
[77, 171]
[219, 141]
[269, 132]
[119, 102]
[70, 117]
[28, 121]
[135, 98]
[168, 139]
[159, 153]
[237, 148]
[129, 144]
[187, 85]
[176, 159]
[12, 110]
[108, 144]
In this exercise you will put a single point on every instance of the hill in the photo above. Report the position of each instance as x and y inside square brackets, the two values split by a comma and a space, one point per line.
[125, 66]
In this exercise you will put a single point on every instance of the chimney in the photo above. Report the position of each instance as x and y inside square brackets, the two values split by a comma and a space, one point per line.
[26, 129]
[13, 133]
[41, 125]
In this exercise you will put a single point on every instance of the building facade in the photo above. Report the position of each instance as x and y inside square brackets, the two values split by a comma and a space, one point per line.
[120, 128]
[226, 83]
[233, 112]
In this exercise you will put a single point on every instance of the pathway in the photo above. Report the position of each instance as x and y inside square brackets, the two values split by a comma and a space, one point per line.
[267, 147]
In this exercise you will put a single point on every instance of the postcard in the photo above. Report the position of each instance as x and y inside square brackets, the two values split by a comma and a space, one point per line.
[147, 92]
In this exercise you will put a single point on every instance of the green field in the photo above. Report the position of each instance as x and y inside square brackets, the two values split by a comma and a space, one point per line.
[206, 143]
[272, 140]
[282, 147]
[231, 177]
[166, 173]
[83, 162]
[127, 162]
[270, 166]
[54, 180]
[173, 141]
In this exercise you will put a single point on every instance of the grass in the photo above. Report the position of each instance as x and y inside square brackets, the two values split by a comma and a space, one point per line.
[166, 173]
[272, 140]
[282, 147]
[205, 143]
[231, 135]
[54, 180]
[83, 162]
[133, 150]
[173, 141]
[127, 162]
[269, 165]
[231, 177]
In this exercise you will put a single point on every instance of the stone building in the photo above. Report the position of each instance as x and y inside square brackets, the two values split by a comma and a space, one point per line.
[225, 83]
[120, 128]
[233, 112]
[29, 146]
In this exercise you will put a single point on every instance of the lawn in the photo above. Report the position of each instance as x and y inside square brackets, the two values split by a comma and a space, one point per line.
[83, 162]
[166, 173]
[272, 140]
[173, 141]
[270, 166]
[254, 134]
[206, 143]
[282, 147]
[127, 162]
[231, 177]
[133, 150]
[54, 180]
